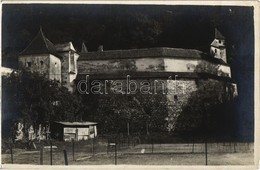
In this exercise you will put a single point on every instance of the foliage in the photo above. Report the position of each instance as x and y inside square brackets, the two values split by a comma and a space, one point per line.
[209, 108]
[144, 113]
[33, 99]
[207, 68]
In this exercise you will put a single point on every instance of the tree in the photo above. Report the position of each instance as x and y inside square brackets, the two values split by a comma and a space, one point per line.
[33, 99]
[209, 108]
[134, 113]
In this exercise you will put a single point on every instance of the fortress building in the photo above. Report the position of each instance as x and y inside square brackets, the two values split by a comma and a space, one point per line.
[187, 67]
[57, 62]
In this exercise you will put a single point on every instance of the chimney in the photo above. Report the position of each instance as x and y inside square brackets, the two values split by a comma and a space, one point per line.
[100, 48]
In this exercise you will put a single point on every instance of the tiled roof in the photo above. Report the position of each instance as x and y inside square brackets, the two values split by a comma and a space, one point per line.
[77, 123]
[64, 47]
[84, 48]
[218, 35]
[40, 45]
[159, 52]
[142, 53]
[215, 43]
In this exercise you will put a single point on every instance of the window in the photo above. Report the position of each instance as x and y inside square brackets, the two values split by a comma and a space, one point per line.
[29, 64]
[91, 129]
[55, 65]
[219, 41]
[215, 50]
[41, 63]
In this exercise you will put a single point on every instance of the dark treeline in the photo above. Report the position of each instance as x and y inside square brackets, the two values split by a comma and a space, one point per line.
[123, 26]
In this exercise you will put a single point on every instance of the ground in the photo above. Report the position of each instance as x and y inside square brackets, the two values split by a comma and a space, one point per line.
[134, 155]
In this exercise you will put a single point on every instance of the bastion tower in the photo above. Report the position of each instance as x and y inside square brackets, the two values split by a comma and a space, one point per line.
[55, 61]
[182, 71]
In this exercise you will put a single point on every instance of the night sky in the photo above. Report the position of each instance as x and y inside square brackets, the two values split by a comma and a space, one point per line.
[142, 26]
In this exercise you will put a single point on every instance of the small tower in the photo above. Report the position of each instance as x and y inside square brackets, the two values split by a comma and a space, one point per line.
[217, 47]
[41, 56]
[84, 48]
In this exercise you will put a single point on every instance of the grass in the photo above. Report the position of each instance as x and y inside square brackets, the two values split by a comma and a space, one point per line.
[136, 159]
[132, 156]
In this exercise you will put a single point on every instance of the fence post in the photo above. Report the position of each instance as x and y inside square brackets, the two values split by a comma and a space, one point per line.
[50, 152]
[65, 157]
[93, 147]
[11, 152]
[193, 143]
[152, 144]
[41, 154]
[206, 151]
[73, 150]
[115, 153]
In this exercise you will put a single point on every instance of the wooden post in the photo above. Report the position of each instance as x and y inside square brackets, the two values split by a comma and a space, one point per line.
[50, 152]
[193, 145]
[93, 147]
[128, 141]
[41, 154]
[65, 157]
[73, 157]
[152, 144]
[115, 153]
[206, 151]
[11, 151]
[206, 134]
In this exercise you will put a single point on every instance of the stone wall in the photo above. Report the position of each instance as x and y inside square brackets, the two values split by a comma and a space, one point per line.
[65, 67]
[148, 65]
[42, 63]
[68, 68]
[177, 94]
[55, 68]
[39, 63]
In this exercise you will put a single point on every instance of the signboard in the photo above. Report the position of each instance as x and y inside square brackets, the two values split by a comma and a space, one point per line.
[69, 130]
[83, 131]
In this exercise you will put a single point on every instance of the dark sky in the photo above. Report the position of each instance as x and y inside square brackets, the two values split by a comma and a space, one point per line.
[129, 26]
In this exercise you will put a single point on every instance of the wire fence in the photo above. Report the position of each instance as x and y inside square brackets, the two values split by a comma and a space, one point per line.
[110, 150]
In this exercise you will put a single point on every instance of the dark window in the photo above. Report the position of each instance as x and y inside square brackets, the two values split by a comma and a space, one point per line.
[215, 50]
[41, 63]
[29, 64]
[219, 41]
[175, 97]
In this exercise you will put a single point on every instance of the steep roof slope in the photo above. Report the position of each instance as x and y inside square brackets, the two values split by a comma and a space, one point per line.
[40, 45]
[159, 52]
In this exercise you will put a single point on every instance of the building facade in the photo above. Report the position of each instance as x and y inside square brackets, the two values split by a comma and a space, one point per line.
[180, 70]
[56, 62]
